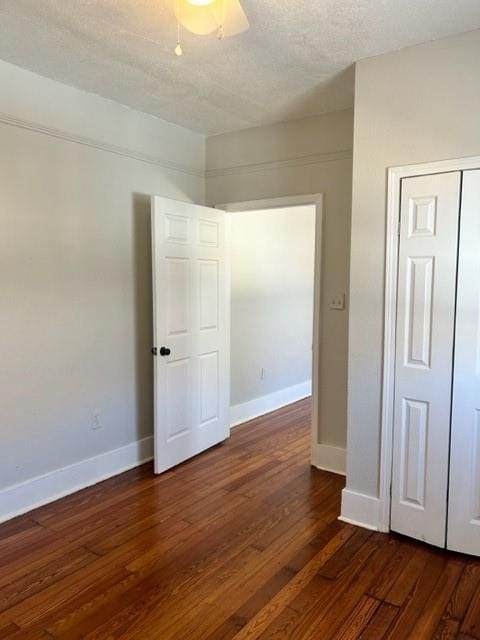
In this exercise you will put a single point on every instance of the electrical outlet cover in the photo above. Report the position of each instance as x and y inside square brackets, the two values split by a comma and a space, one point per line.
[337, 302]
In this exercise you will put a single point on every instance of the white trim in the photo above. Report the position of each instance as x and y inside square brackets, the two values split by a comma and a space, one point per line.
[360, 510]
[30, 125]
[315, 199]
[395, 176]
[246, 411]
[297, 161]
[328, 458]
[228, 313]
[269, 165]
[272, 203]
[25, 496]
[316, 340]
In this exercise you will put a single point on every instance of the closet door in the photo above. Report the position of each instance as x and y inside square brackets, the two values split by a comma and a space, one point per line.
[464, 493]
[425, 331]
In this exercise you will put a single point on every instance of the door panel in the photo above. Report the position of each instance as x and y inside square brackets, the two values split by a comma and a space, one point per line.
[209, 382]
[208, 294]
[178, 380]
[464, 495]
[192, 385]
[414, 428]
[423, 372]
[177, 275]
[419, 294]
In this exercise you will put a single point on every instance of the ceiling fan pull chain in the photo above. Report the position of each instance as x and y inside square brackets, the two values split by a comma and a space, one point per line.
[178, 48]
[221, 28]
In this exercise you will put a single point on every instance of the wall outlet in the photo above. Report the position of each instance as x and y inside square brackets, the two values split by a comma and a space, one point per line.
[97, 421]
[337, 302]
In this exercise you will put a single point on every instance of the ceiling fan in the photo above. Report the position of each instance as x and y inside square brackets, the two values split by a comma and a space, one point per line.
[203, 17]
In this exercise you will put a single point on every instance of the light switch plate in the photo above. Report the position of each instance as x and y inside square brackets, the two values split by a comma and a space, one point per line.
[337, 302]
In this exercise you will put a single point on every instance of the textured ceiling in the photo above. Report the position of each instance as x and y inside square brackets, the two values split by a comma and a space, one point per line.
[295, 61]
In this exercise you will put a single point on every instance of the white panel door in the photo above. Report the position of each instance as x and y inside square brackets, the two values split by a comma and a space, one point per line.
[190, 291]
[423, 372]
[463, 532]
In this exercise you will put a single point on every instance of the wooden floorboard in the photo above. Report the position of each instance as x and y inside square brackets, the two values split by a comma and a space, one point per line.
[242, 542]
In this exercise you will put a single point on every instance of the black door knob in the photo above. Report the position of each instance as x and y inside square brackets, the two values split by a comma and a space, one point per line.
[165, 351]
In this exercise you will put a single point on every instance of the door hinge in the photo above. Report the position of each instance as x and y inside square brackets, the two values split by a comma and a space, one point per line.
[154, 351]
[399, 228]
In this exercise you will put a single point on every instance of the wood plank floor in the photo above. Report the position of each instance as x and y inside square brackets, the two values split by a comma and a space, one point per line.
[242, 542]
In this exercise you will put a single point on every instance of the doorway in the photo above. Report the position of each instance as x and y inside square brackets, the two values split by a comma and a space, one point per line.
[272, 256]
[191, 262]
[272, 205]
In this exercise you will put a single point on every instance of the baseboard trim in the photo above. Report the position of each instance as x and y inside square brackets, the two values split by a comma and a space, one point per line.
[23, 497]
[241, 413]
[328, 458]
[360, 510]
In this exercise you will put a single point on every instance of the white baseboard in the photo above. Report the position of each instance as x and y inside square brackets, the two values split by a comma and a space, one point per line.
[330, 458]
[259, 406]
[21, 498]
[360, 510]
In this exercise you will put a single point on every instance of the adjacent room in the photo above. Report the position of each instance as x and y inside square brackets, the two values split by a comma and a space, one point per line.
[239, 320]
[272, 261]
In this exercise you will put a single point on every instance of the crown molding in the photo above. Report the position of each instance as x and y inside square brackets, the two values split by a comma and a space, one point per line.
[126, 152]
[93, 143]
[299, 161]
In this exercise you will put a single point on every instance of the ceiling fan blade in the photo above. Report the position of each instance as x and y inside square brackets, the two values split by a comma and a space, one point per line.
[230, 13]
[206, 19]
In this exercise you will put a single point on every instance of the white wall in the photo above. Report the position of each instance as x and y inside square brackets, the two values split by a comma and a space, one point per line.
[417, 105]
[76, 172]
[296, 158]
[272, 268]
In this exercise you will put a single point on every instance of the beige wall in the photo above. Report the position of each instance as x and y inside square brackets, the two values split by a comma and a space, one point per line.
[75, 313]
[416, 105]
[272, 267]
[76, 173]
[296, 158]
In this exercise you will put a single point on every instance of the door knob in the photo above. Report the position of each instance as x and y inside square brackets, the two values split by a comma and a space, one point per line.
[165, 351]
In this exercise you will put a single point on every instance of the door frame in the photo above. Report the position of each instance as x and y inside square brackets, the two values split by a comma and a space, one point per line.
[316, 200]
[395, 175]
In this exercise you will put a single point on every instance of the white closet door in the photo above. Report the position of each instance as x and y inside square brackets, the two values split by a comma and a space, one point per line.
[425, 329]
[464, 493]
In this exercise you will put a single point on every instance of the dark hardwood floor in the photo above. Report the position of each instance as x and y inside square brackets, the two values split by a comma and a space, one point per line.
[242, 542]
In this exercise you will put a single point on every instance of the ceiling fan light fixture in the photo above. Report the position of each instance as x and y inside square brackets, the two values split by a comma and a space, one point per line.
[204, 17]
